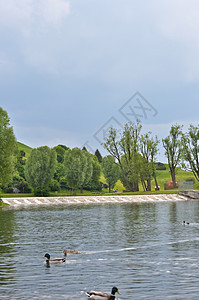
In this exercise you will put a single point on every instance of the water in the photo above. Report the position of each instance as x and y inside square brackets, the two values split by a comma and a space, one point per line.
[142, 248]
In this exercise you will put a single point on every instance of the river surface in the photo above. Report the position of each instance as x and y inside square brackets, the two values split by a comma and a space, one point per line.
[142, 248]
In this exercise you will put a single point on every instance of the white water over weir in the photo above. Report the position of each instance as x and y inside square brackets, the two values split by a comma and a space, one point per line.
[92, 199]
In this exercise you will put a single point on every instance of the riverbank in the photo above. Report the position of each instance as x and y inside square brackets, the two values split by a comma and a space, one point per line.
[27, 201]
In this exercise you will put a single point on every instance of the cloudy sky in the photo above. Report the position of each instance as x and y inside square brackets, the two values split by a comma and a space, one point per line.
[70, 69]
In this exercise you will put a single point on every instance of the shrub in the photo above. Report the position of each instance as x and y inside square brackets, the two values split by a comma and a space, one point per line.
[54, 185]
[190, 179]
[9, 190]
[24, 187]
[41, 193]
[160, 166]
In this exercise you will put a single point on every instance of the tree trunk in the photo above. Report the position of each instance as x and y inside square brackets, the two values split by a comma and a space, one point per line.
[143, 184]
[156, 183]
[148, 184]
[173, 176]
[81, 189]
[135, 186]
[109, 187]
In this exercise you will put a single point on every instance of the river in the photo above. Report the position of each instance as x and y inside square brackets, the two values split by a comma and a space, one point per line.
[142, 248]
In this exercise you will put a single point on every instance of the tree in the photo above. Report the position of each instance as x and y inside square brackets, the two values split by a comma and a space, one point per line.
[60, 149]
[99, 156]
[190, 143]
[7, 148]
[75, 164]
[125, 150]
[173, 150]
[129, 144]
[148, 148]
[40, 169]
[20, 162]
[94, 183]
[88, 169]
[111, 171]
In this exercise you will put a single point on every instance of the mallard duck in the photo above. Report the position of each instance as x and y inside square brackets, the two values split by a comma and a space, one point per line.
[185, 223]
[103, 296]
[70, 252]
[53, 260]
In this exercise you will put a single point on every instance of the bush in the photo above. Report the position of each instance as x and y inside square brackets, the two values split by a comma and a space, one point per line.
[160, 166]
[190, 179]
[54, 185]
[24, 187]
[41, 193]
[9, 190]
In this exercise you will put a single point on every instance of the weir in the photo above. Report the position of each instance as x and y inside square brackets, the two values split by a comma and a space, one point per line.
[28, 201]
[190, 194]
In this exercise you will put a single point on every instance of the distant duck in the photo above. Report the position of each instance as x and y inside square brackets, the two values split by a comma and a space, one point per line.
[103, 296]
[53, 260]
[185, 223]
[70, 252]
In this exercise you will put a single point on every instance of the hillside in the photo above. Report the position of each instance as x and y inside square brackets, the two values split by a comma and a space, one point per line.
[163, 177]
[25, 148]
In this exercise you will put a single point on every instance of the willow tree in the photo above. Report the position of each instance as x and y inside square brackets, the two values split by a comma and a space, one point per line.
[190, 142]
[75, 166]
[7, 148]
[173, 150]
[40, 169]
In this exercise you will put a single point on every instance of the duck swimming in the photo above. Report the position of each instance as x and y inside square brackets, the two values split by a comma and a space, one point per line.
[53, 260]
[185, 223]
[70, 252]
[103, 296]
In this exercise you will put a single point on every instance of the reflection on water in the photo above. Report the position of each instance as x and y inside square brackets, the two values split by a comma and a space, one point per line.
[7, 265]
[141, 248]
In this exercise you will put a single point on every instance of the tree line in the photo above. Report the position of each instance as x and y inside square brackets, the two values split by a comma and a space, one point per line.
[132, 159]
[136, 153]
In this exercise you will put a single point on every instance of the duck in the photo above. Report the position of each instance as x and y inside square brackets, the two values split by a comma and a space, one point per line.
[53, 260]
[70, 252]
[102, 295]
[185, 223]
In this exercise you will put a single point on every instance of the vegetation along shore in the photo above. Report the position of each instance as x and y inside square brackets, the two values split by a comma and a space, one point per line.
[131, 166]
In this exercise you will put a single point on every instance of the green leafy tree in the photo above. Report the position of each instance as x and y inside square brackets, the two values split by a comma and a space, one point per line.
[59, 172]
[40, 169]
[125, 150]
[75, 164]
[190, 142]
[149, 149]
[7, 148]
[173, 150]
[88, 169]
[111, 171]
[129, 144]
[20, 162]
[60, 149]
[98, 155]
[94, 183]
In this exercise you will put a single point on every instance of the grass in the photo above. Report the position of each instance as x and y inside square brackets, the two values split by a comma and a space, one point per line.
[25, 148]
[163, 176]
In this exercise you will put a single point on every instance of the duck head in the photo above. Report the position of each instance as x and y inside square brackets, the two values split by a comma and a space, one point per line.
[114, 290]
[47, 255]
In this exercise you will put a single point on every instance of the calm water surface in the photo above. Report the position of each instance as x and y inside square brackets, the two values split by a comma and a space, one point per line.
[141, 248]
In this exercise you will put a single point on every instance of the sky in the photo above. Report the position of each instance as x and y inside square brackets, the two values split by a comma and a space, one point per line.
[71, 69]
